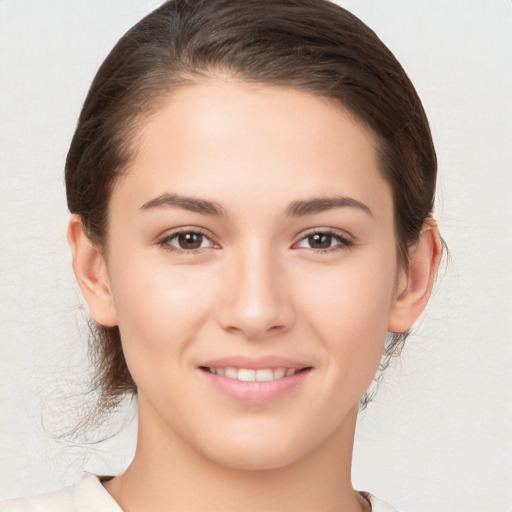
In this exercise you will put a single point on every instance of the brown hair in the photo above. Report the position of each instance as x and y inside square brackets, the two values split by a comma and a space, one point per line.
[311, 45]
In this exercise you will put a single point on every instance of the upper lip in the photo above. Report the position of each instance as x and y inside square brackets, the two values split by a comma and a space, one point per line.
[254, 363]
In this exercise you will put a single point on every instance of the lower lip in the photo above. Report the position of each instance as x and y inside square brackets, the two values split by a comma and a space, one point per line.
[256, 392]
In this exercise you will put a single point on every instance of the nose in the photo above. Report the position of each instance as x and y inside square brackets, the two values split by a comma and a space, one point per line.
[255, 303]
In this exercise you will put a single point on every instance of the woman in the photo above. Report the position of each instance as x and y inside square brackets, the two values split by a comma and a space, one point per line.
[251, 186]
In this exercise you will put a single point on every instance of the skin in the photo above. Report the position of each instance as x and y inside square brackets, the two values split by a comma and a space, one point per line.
[258, 284]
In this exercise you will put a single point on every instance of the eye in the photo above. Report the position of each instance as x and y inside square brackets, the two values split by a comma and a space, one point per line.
[186, 241]
[324, 241]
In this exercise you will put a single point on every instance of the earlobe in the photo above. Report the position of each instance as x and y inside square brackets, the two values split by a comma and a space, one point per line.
[91, 273]
[416, 281]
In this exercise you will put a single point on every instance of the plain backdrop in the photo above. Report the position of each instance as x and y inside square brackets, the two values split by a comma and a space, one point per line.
[439, 434]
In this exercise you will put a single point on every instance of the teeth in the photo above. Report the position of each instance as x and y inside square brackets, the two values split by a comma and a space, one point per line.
[231, 373]
[263, 375]
[279, 373]
[250, 375]
[246, 375]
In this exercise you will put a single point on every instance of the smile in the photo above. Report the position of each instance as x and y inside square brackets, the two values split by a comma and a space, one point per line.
[255, 381]
[250, 375]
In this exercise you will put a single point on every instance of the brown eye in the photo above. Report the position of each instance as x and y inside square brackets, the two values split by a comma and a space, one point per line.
[320, 241]
[324, 242]
[186, 241]
[190, 240]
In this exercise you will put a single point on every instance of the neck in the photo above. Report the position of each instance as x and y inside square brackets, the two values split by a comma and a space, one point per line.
[168, 474]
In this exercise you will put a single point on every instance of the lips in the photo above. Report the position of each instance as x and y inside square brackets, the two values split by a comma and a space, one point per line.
[255, 380]
[250, 374]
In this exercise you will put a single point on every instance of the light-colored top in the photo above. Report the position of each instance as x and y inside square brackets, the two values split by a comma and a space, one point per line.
[89, 495]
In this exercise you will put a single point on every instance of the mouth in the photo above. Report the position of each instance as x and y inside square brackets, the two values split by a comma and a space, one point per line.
[254, 375]
[255, 380]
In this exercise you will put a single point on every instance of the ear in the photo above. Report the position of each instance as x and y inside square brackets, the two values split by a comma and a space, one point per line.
[91, 273]
[415, 282]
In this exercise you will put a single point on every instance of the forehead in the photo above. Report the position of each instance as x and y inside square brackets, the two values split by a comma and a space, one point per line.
[232, 139]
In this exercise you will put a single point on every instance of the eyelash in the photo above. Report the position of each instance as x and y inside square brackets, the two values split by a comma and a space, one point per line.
[343, 242]
[164, 242]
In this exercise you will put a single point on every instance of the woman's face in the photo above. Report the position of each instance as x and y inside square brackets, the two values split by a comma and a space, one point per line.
[252, 238]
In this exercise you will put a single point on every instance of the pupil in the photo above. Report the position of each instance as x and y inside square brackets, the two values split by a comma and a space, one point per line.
[190, 240]
[320, 241]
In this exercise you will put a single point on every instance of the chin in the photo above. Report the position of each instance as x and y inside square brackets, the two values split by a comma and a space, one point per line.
[255, 462]
[262, 455]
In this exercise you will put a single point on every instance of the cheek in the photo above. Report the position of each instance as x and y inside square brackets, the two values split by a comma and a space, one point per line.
[355, 297]
[348, 309]
[159, 311]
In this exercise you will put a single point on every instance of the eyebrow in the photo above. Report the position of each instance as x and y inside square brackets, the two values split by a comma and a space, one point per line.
[322, 204]
[191, 204]
[298, 208]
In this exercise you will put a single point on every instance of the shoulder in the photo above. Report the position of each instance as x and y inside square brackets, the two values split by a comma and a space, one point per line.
[377, 504]
[87, 495]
